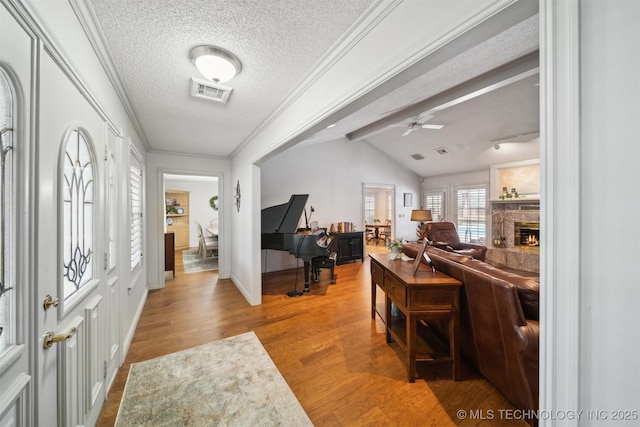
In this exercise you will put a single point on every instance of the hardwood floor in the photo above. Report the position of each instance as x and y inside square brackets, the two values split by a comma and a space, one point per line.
[331, 353]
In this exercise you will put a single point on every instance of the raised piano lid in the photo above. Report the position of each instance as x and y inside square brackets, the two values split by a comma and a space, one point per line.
[284, 218]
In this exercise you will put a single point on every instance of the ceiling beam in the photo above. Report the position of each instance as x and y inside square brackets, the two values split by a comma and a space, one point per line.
[499, 77]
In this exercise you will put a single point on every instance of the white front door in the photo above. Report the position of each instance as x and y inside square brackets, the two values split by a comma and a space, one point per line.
[15, 247]
[112, 185]
[71, 264]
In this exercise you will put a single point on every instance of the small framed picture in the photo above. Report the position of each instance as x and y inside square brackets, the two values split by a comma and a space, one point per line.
[408, 200]
[422, 253]
[180, 210]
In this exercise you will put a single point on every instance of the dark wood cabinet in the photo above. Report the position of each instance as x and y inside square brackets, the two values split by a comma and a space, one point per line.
[349, 247]
[170, 253]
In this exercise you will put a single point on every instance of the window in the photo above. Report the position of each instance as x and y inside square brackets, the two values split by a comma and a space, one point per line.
[369, 209]
[77, 216]
[135, 192]
[389, 207]
[434, 201]
[7, 170]
[471, 208]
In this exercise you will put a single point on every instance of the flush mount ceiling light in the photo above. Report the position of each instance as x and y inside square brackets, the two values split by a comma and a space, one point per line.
[215, 63]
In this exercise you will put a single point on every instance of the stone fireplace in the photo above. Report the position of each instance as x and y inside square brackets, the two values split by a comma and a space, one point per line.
[526, 234]
[515, 234]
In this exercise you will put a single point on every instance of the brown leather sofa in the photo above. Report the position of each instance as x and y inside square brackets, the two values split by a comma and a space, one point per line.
[499, 328]
[445, 236]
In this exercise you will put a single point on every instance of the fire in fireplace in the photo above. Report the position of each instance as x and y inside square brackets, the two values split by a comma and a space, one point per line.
[527, 234]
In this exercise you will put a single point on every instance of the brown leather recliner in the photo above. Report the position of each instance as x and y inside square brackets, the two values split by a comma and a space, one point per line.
[445, 236]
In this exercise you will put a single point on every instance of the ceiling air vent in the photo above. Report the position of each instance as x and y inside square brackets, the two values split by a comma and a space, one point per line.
[209, 90]
[441, 150]
[417, 156]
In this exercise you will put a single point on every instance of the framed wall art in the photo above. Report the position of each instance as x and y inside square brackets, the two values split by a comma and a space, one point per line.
[408, 200]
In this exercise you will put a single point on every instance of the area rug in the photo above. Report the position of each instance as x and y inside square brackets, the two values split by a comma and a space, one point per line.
[230, 382]
[192, 262]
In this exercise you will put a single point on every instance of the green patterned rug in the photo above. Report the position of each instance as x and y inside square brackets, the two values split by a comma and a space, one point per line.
[193, 263]
[230, 382]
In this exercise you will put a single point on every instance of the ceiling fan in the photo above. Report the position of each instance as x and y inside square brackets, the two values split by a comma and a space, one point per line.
[417, 123]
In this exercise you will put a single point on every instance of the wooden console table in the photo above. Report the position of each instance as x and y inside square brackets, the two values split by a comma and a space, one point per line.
[425, 296]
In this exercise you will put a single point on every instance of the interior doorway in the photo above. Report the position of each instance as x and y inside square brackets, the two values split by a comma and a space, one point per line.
[378, 212]
[191, 223]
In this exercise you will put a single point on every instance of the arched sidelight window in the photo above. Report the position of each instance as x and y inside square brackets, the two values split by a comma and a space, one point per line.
[7, 194]
[78, 213]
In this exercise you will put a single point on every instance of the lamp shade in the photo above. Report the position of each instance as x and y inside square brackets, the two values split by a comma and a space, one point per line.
[214, 63]
[421, 215]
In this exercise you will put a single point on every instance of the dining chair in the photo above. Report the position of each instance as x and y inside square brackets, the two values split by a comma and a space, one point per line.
[206, 245]
[385, 232]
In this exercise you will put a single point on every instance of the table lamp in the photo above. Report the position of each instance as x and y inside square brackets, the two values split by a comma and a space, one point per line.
[421, 215]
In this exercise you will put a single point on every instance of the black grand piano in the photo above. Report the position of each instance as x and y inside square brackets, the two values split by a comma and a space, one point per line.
[280, 232]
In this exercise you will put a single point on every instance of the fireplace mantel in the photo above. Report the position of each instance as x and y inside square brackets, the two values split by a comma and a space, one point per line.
[520, 200]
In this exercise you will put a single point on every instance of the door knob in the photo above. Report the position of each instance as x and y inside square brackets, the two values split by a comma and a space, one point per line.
[49, 302]
[50, 337]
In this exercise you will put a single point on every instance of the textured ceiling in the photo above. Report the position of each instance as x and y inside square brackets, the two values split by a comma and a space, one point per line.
[279, 43]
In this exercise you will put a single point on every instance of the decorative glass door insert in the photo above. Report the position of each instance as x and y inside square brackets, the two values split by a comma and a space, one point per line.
[78, 194]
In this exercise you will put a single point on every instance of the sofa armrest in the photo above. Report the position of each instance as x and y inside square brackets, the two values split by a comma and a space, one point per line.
[477, 251]
[529, 358]
[530, 333]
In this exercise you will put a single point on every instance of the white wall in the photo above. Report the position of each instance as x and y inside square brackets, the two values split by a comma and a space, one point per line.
[384, 45]
[200, 210]
[159, 164]
[333, 174]
[610, 153]
[589, 347]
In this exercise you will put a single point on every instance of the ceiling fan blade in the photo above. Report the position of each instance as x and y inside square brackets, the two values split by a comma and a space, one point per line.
[408, 132]
[397, 126]
[432, 126]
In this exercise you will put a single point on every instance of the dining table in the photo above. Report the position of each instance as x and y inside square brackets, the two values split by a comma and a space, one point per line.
[376, 231]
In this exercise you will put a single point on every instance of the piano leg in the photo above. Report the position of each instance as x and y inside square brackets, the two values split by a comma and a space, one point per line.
[306, 276]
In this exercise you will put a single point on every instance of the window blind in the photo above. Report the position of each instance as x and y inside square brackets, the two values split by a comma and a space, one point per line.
[135, 188]
[435, 203]
[471, 207]
[369, 209]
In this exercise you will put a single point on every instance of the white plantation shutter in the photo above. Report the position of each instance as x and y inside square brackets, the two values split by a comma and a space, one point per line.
[434, 201]
[369, 209]
[471, 207]
[135, 187]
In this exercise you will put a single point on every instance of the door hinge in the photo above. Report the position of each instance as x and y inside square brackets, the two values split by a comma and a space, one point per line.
[105, 369]
[106, 260]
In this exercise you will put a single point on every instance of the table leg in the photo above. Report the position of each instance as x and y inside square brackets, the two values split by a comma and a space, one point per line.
[373, 298]
[387, 317]
[412, 330]
[454, 347]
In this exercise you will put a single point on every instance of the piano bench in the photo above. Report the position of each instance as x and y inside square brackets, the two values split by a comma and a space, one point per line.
[328, 261]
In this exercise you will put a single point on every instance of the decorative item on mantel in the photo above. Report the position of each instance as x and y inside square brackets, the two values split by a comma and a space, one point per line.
[395, 246]
[506, 195]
